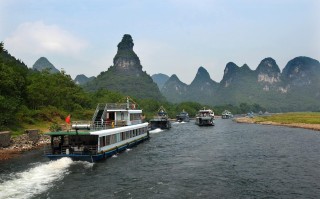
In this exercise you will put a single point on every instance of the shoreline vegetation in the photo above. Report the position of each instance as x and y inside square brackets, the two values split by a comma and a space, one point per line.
[305, 120]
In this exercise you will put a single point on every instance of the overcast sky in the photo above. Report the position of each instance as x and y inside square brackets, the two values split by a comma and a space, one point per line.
[170, 36]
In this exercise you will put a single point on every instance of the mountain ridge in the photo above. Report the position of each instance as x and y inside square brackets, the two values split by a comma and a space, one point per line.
[266, 85]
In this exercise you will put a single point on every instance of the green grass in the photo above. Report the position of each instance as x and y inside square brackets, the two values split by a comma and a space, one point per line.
[289, 118]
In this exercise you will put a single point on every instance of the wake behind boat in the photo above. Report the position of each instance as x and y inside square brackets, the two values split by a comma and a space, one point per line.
[114, 128]
[205, 117]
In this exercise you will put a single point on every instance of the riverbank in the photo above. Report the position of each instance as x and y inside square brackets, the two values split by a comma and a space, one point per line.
[257, 120]
[21, 144]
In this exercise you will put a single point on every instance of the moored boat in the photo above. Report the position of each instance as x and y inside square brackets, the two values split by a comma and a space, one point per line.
[183, 117]
[161, 120]
[114, 128]
[205, 117]
[226, 114]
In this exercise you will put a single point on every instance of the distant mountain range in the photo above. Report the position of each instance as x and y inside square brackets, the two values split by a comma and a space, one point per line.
[296, 88]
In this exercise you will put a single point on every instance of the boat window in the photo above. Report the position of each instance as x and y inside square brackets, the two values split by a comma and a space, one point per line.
[108, 140]
[135, 116]
[123, 135]
[66, 140]
[56, 141]
[111, 116]
[112, 139]
[102, 141]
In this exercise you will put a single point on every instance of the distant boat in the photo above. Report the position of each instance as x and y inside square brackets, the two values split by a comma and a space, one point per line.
[205, 117]
[114, 128]
[250, 114]
[226, 114]
[183, 117]
[161, 120]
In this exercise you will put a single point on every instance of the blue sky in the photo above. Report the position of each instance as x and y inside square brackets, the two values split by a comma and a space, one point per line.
[170, 36]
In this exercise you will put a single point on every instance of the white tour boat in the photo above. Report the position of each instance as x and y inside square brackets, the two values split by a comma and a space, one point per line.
[205, 117]
[114, 128]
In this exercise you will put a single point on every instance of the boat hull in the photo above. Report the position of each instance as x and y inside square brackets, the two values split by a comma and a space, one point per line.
[205, 121]
[99, 156]
[161, 124]
[183, 119]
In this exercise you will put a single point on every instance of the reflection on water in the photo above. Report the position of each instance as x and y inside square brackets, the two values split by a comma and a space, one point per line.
[228, 160]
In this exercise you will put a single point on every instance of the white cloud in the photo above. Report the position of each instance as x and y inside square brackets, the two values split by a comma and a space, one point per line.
[37, 38]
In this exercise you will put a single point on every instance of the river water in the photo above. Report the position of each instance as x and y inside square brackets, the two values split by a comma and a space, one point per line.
[229, 160]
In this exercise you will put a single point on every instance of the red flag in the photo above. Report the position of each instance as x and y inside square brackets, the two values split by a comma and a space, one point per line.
[68, 119]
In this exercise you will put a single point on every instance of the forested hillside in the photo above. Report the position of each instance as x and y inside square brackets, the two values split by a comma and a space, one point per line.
[36, 99]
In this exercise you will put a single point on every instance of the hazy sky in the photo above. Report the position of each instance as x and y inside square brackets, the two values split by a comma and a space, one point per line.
[170, 36]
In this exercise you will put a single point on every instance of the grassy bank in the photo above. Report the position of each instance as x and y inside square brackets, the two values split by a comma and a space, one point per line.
[307, 120]
[289, 118]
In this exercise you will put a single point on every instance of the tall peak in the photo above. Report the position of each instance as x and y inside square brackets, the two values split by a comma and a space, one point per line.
[126, 59]
[43, 64]
[301, 70]
[174, 77]
[300, 64]
[245, 67]
[126, 43]
[268, 66]
[202, 75]
[230, 68]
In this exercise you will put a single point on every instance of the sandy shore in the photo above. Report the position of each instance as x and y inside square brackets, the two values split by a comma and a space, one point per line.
[294, 125]
[21, 144]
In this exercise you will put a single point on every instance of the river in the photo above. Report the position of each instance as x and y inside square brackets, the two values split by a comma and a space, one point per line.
[229, 160]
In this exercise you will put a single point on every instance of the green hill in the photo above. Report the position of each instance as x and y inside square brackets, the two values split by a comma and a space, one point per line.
[126, 75]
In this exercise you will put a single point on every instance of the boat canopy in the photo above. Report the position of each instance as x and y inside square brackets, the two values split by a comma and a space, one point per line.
[68, 133]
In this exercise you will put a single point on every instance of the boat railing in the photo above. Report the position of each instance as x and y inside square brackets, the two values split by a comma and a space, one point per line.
[112, 106]
[81, 125]
[136, 122]
[160, 117]
[99, 125]
[68, 150]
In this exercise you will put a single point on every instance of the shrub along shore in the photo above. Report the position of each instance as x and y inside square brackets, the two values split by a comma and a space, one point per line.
[306, 120]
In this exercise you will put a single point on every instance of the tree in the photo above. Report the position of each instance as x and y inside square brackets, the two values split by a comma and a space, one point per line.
[12, 89]
[58, 90]
[1, 46]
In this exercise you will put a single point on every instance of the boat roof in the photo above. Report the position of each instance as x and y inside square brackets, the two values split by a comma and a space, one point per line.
[68, 133]
[208, 110]
[118, 129]
[99, 132]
